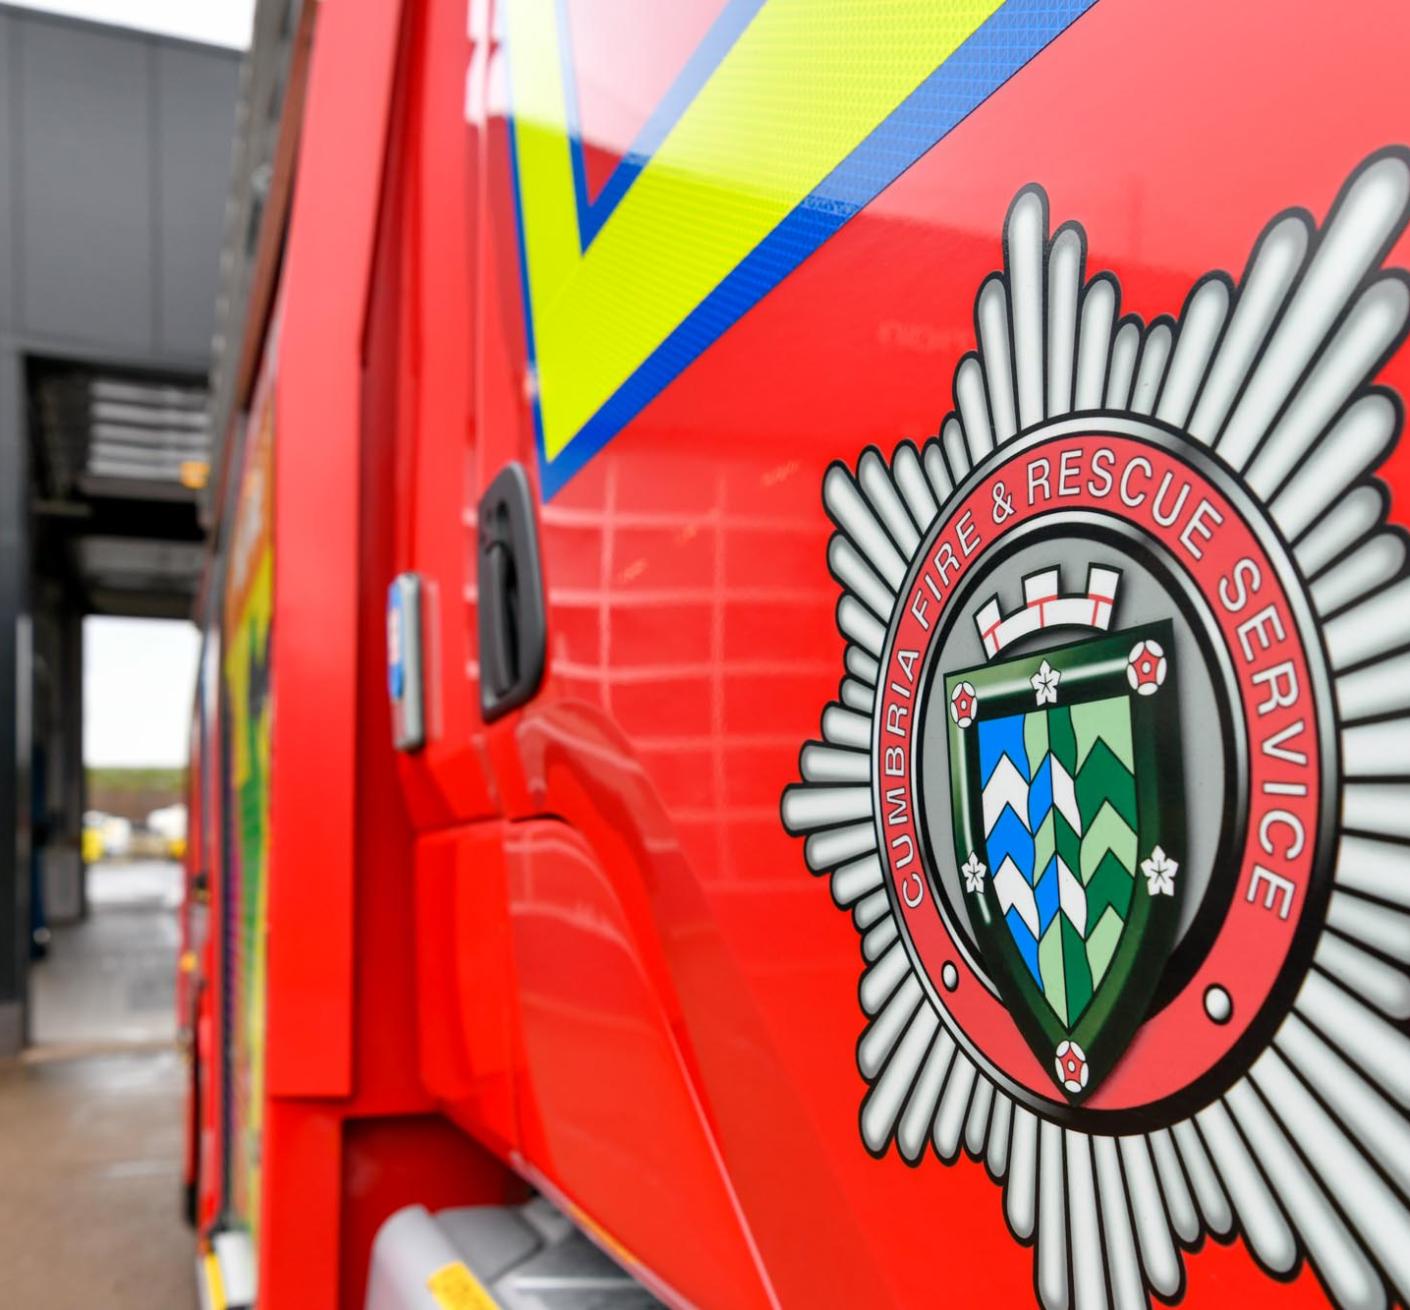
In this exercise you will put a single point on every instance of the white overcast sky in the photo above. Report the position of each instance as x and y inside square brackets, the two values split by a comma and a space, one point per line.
[139, 679]
[218, 22]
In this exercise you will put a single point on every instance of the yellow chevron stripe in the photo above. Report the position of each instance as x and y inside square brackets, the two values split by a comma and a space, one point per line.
[794, 96]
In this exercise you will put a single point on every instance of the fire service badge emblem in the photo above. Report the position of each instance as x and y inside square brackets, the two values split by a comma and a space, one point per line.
[1114, 786]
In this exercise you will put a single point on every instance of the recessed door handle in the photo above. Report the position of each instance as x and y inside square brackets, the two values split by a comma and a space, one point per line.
[512, 622]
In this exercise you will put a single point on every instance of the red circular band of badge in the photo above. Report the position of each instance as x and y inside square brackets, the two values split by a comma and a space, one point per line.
[1153, 490]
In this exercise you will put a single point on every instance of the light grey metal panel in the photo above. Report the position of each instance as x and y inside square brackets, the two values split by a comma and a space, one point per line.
[85, 179]
[526, 1257]
[195, 132]
[7, 199]
[273, 65]
[14, 705]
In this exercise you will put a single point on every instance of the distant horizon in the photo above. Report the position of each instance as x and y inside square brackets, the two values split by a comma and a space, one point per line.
[225, 23]
[139, 684]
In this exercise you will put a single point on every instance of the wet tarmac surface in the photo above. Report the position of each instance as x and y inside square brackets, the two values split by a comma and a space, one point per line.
[90, 1209]
[112, 977]
[91, 1127]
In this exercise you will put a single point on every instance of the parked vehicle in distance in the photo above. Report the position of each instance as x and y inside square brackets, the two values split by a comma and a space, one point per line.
[106, 836]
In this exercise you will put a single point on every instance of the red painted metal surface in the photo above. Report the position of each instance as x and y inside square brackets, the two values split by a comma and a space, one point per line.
[317, 487]
[193, 928]
[582, 935]
[210, 1027]
[464, 973]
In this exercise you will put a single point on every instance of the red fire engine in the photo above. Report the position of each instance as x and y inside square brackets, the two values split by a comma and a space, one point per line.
[805, 680]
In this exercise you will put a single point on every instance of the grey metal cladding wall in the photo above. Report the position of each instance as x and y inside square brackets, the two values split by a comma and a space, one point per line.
[195, 139]
[7, 173]
[119, 148]
[86, 180]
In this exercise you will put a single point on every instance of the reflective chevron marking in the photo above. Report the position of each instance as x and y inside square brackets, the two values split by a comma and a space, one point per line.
[785, 123]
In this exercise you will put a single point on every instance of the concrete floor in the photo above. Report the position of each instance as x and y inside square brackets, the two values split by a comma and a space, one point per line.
[91, 1127]
[112, 977]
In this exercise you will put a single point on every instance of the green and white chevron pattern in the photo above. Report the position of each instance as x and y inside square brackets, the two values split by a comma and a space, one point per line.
[1095, 746]
[1061, 823]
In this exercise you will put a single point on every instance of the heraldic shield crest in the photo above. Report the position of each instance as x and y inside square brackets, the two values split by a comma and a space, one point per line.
[1067, 798]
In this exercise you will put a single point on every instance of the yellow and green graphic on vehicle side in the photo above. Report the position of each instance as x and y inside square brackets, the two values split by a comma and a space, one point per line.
[248, 619]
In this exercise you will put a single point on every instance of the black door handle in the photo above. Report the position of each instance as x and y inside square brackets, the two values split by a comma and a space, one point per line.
[512, 621]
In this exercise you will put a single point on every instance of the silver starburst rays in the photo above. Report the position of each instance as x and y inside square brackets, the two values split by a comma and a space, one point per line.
[1305, 1151]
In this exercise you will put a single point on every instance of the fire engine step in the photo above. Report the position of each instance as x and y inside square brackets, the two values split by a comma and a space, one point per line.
[527, 1257]
[225, 1274]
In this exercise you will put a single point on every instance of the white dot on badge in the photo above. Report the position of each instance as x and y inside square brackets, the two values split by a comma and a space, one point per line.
[1217, 1004]
[950, 976]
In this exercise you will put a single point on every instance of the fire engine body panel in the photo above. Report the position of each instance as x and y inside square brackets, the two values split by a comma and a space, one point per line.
[896, 797]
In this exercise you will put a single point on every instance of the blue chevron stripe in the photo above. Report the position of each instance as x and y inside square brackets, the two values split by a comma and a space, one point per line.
[1026, 943]
[1000, 737]
[1010, 839]
[1046, 894]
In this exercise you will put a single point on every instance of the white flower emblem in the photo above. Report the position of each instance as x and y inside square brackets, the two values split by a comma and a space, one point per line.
[1160, 871]
[974, 870]
[1045, 682]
